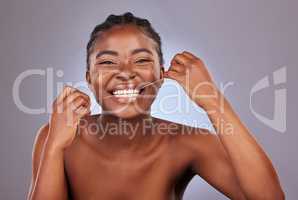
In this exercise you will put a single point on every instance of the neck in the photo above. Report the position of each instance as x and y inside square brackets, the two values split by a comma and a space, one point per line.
[125, 134]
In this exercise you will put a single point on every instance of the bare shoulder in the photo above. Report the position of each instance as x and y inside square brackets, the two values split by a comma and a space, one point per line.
[39, 141]
[208, 158]
[193, 141]
[197, 145]
[197, 138]
[184, 134]
[41, 135]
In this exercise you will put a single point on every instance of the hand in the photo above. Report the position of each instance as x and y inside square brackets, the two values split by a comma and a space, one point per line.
[190, 72]
[68, 108]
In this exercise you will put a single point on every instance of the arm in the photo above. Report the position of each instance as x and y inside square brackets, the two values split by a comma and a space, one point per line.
[48, 177]
[211, 162]
[253, 169]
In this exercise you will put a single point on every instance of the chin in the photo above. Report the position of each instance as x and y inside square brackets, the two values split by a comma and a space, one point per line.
[127, 115]
[127, 111]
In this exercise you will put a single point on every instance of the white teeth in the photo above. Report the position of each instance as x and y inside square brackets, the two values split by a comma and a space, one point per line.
[126, 93]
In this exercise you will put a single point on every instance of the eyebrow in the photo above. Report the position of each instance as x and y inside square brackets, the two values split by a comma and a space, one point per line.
[114, 53]
[109, 52]
[141, 50]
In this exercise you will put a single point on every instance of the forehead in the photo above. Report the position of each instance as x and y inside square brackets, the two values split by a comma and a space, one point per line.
[121, 38]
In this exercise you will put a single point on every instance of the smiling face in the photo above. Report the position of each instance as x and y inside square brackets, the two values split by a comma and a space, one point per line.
[122, 60]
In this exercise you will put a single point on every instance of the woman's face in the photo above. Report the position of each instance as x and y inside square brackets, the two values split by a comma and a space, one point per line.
[123, 58]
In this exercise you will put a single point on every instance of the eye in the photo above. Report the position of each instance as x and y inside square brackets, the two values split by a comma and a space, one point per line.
[105, 63]
[143, 60]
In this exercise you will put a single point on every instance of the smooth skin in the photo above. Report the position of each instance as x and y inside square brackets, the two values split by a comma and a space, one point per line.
[68, 165]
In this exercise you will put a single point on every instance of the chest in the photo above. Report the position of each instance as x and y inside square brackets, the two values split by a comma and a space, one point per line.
[92, 175]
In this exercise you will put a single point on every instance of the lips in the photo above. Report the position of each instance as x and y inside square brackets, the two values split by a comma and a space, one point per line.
[126, 92]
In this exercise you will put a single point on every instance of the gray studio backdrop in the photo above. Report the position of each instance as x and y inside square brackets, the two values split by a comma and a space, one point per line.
[252, 44]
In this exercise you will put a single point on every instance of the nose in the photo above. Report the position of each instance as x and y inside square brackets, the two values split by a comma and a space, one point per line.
[126, 74]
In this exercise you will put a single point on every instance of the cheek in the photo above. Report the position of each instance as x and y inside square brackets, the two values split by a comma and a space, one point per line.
[150, 74]
[157, 71]
[98, 80]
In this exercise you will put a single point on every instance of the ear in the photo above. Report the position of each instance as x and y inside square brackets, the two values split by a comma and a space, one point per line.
[162, 71]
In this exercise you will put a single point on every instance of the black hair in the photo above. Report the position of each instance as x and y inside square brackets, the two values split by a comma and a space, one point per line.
[125, 19]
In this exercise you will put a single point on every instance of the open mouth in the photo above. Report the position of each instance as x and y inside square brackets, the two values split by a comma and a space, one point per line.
[129, 93]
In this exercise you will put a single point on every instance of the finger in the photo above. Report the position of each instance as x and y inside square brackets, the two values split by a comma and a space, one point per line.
[83, 111]
[189, 55]
[78, 102]
[67, 90]
[176, 67]
[193, 57]
[74, 95]
[70, 98]
[171, 74]
[84, 95]
[182, 59]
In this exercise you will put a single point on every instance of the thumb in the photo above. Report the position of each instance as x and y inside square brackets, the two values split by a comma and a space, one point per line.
[171, 74]
[167, 74]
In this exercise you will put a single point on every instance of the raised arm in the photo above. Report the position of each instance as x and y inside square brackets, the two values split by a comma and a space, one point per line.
[253, 169]
[211, 162]
[48, 178]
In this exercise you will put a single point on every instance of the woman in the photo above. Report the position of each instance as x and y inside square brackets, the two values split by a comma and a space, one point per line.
[78, 156]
